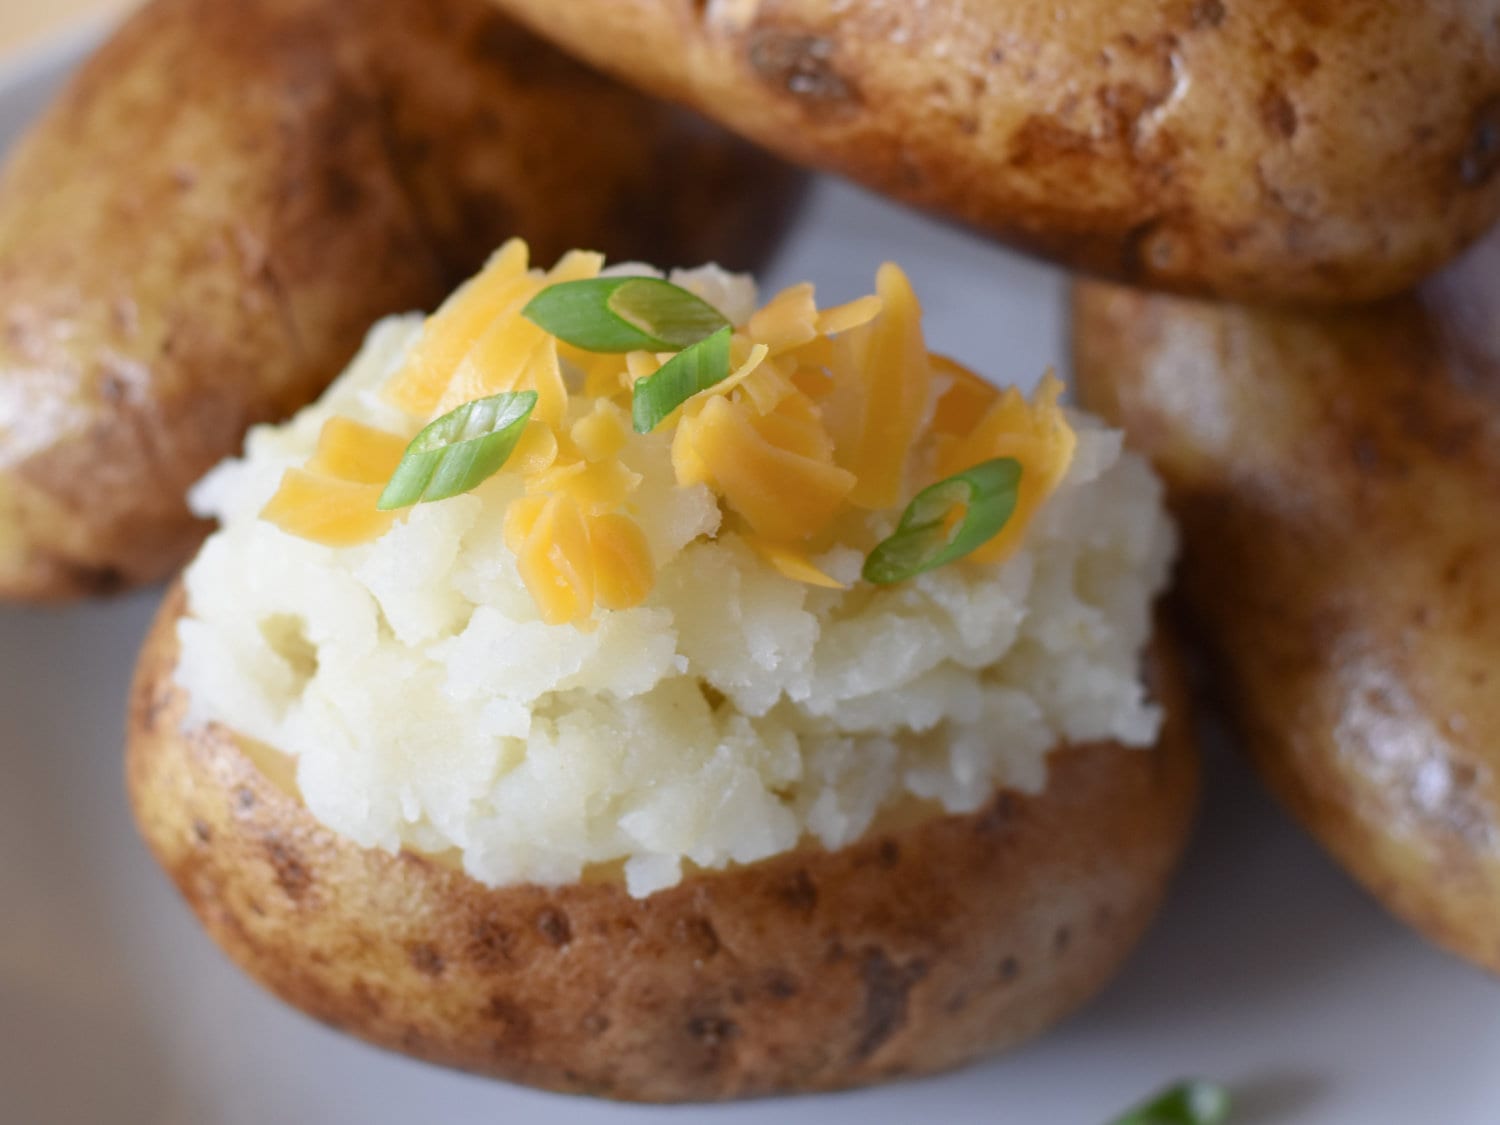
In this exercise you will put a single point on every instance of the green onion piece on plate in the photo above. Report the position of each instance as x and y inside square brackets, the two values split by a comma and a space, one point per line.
[928, 536]
[689, 371]
[624, 314]
[1193, 1102]
[459, 451]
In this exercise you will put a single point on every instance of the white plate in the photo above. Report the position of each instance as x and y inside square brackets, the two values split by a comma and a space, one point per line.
[1267, 970]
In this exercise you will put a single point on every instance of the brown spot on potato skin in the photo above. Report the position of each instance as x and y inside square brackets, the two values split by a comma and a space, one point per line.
[798, 892]
[292, 875]
[1207, 13]
[781, 985]
[1278, 113]
[491, 944]
[887, 986]
[801, 65]
[516, 1021]
[696, 935]
[712, 1032]
[426, 959]
[1047, 142]
[1305, 60]
[832, 969]
[555, 927]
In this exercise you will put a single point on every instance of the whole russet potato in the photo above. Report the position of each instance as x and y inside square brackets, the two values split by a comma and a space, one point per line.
[1337, 481]
[1266, 149]
[202, 228]
[922, 946]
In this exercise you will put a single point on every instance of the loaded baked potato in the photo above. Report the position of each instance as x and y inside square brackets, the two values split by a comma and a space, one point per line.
[661, 760]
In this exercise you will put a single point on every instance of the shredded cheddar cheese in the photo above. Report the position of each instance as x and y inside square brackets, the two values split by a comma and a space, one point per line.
[825, 413]
[355, 452]
[792, 563]
[1036, 434]
[336, 513]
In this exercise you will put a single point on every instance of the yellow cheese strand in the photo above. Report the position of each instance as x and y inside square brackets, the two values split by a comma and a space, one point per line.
[793, 563]
[894, 384]
[455, 328]
[795, 425]
[755, 356]
[351, 451]
[853, 314]
[788, 321]
[601, 433]
[964, 397]
[823, 409]
[536, 451]
[623, 571]
[520, 517]
[555, 560]
[335, 513]
[782, 495]
[1035, 433]
[514, 355]
[594, 487]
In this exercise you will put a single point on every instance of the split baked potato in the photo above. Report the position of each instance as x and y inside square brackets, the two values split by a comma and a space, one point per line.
[1268, 150]
[1337, 480]
[933, 940]
[199, 232]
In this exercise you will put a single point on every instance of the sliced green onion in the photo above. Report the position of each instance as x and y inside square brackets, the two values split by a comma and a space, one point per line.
[923, 540]
[624, 314]
[1193, 1102]
[689, 371]
[459, 451]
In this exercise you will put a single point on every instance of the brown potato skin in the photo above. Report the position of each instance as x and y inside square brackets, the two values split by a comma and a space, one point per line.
[911, 951]
[1337, 481]
[197, 235]
[1267, 149]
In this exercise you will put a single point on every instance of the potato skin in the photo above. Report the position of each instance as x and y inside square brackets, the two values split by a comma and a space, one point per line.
[1265, 149]
[1337, 481]
[909, 952]
[197, 235]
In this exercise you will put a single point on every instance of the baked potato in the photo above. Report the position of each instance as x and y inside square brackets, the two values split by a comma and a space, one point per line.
[1336, 479]
[676, 759]
[922, 946]
[1267, 150]
[199, 232]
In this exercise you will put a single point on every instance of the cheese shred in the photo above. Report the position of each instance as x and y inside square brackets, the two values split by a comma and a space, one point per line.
[825, 411]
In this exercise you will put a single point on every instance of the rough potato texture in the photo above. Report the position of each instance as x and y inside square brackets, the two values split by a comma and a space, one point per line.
[198, 234]
[912, 951]
[1272, 149]
[1337, 481]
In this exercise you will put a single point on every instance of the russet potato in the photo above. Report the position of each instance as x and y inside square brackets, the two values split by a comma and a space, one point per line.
[197, 235]
[1336, 477]
[1269, 149]
[929, 942]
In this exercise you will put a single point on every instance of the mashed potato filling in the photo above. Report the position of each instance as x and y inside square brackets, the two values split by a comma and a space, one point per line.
[729, 688]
